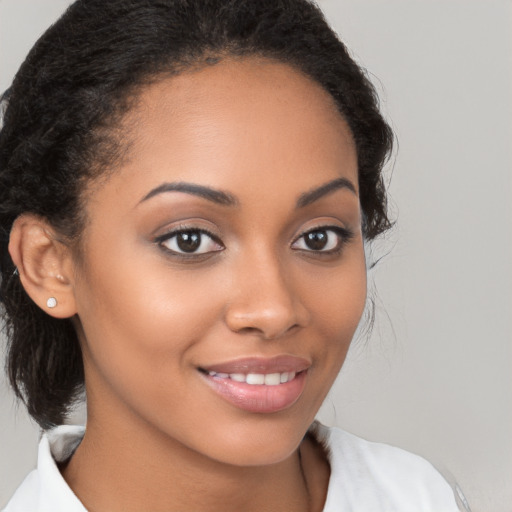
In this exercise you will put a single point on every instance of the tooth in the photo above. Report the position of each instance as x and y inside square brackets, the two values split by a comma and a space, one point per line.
[222, 375]
[291, 376]
[284, 377]
[255, 378]
[238, 377]
[272, 379]
[212, 373]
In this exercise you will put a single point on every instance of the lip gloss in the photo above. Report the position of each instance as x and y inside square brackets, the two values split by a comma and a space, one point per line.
[259, 385]
[259, 398]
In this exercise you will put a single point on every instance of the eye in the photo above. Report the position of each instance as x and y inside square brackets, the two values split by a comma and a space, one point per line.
[327, 239]
[190, 242]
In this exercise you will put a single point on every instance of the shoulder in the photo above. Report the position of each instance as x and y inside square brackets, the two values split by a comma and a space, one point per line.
[44, 489]
[379, 477]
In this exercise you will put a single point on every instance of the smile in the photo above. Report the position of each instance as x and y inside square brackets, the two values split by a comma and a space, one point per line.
[259, 385]
[254, 379]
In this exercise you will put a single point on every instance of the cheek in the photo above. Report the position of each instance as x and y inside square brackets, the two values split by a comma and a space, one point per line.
[141, 346]
[142, 319]
[338, 303]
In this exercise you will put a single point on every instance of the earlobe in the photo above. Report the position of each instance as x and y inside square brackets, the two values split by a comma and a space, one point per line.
[44, 264]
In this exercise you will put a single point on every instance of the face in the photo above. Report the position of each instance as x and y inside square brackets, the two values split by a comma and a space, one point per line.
[222, 273]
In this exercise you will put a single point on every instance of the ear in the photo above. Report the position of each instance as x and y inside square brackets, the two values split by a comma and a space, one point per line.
[45, 265]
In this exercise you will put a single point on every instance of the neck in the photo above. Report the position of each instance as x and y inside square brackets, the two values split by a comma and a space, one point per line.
[132, 468]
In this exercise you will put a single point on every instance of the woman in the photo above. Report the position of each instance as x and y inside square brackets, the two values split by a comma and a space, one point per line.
[187, 187]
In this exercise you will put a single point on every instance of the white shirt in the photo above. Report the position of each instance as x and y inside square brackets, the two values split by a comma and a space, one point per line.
[365, 477]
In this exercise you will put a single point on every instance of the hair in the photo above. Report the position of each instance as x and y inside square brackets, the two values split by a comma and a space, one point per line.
[70, 95]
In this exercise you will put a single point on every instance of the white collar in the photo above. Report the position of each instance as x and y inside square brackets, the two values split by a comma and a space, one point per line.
[372, 476]
[57, 445]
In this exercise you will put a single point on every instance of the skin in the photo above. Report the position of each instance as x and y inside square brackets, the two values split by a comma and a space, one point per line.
[148, 318]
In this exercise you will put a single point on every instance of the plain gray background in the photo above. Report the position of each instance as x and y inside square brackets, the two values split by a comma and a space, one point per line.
[435, 376]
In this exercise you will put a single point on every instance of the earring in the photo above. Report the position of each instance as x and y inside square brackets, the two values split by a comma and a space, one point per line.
[51, 302]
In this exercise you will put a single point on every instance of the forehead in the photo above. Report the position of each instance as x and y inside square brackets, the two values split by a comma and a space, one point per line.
[240, 121]
[236, 79]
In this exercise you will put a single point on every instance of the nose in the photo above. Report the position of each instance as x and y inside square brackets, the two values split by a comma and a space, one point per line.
[264, 300]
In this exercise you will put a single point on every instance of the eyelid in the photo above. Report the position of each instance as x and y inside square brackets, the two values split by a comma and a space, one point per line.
[182, 228]
[344, 234]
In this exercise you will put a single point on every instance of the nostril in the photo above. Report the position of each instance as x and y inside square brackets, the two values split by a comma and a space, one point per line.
[249, 330]
[267, 334]
[269, 313]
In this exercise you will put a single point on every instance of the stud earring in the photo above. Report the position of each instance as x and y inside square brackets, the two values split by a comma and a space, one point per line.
[51, 302]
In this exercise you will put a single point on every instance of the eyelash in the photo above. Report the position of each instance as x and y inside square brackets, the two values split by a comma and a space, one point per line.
[188, 230]
[344, 236]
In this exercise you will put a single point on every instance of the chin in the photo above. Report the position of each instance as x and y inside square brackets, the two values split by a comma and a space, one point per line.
[257, 441]
[258, 454]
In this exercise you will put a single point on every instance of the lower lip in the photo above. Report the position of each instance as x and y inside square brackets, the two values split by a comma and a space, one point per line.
[259, 398]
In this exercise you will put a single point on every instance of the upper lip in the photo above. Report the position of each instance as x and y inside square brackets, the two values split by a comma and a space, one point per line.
[278, 364]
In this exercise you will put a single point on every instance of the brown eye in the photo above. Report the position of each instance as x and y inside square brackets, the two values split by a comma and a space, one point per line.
[188, 241]
[322, 240]
[316, 240]
[191, 241]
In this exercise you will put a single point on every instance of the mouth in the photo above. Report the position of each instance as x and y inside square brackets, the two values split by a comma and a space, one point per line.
[256, 379]
[259, 385]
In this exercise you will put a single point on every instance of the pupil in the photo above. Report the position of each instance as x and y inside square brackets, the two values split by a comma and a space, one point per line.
[189, 242]
[316, 240]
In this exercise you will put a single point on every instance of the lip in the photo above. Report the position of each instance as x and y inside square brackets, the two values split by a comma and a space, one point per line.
[263, 399]
[278, 364]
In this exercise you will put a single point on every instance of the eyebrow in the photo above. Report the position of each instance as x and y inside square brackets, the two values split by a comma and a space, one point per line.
[227, 199]
[315, 194]
[211, 194]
